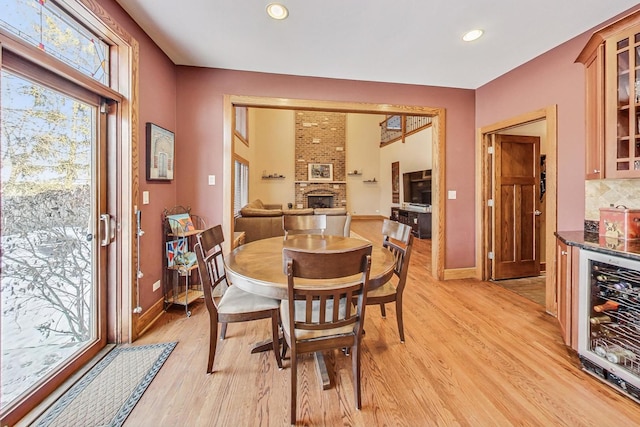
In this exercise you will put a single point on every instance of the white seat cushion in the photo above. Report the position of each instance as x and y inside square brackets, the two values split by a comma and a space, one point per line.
[235, 301]
[302, 334]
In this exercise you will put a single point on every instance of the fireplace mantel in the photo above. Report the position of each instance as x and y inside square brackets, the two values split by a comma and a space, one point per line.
[320, 182]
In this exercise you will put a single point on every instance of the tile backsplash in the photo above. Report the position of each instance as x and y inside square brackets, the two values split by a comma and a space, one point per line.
[600, 193]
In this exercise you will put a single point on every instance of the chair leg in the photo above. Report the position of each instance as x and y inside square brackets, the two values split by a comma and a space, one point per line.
[355, 362]
[294, 386]
[383, 311]
[275, 328]
[213, 338]
[284, 348]
[223, 331]
[399, 317]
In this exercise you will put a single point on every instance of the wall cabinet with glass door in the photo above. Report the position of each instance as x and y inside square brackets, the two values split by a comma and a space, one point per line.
[612, 64]
[623, 153]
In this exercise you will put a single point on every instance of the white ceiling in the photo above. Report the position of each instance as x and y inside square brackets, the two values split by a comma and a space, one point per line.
[401, 41]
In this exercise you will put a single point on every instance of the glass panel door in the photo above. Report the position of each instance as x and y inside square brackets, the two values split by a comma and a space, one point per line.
[52, 262]
[627, 149]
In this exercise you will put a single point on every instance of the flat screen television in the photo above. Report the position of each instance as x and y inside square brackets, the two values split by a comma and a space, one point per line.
[417, 187]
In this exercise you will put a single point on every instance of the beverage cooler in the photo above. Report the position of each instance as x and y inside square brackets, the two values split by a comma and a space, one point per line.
[609, 320]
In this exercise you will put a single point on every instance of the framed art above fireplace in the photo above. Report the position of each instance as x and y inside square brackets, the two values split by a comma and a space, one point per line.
[320, 171]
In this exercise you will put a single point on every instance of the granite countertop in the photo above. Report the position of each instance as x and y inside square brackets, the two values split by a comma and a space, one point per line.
[593, 242]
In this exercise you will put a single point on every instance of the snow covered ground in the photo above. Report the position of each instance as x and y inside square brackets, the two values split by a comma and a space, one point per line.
[28, 354]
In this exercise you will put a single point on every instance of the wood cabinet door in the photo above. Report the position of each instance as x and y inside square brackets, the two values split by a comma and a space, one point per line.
[563, 289]
[594, 154]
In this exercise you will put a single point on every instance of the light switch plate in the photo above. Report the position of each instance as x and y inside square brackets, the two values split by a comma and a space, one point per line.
[145, 197]
[451, 195]
[212, 180]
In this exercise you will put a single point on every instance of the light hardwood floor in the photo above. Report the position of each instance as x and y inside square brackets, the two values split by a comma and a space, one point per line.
[532, 288]
[475, 355]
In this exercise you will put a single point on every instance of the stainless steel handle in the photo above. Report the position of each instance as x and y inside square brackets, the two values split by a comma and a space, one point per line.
[563, 252]
[596, 171]
[537, 212]
[105, 219]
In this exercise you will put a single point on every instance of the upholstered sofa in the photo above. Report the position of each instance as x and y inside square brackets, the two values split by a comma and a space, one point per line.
[261, 221]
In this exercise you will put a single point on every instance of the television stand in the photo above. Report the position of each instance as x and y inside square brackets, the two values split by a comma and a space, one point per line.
[420, 222]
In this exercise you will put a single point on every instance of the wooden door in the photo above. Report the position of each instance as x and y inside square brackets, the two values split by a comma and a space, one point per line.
[516, 242]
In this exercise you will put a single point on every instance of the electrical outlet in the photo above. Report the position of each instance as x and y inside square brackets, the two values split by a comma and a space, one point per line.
[156, 286]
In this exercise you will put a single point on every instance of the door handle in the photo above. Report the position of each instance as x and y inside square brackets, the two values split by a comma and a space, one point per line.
[537, 212]
[105, 220]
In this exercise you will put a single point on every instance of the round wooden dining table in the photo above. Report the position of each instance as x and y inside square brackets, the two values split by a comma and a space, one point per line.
[257, 267]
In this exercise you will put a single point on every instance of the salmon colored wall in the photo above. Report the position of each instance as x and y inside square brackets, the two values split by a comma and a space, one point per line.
[157, 104]
[200, 131]
[552, 78]
[189, 100]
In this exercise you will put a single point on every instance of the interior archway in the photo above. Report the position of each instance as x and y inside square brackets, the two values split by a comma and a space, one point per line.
[438, 150]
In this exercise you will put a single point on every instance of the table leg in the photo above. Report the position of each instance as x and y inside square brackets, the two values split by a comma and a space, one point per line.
[322, 370]
[261, 346]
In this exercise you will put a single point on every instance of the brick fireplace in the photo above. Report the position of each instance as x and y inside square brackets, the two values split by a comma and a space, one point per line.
[320, 200]
[320, 138]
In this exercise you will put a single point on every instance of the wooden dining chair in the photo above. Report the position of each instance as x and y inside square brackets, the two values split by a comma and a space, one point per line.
[328, 315]
[304, 224]
[398, 239]
[235, 305]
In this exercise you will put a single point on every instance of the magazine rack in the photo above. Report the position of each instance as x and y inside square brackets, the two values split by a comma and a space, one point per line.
[179, 228]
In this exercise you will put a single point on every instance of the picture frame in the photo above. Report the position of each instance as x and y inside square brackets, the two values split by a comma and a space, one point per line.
[160, 153]
[320, 171]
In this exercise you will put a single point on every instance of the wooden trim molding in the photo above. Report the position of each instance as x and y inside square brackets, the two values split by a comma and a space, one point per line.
[460, 273]
[149, 317]
[483, 220]
[122, 323]
[599, 36]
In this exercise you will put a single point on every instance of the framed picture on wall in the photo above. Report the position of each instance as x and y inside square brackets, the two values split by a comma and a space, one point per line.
[160, 153]
[320, 171]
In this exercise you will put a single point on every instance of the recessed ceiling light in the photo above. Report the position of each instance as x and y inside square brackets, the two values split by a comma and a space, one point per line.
[472, 35]
[277, 11]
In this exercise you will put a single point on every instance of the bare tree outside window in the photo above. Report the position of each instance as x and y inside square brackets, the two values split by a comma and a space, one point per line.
[46, 197]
